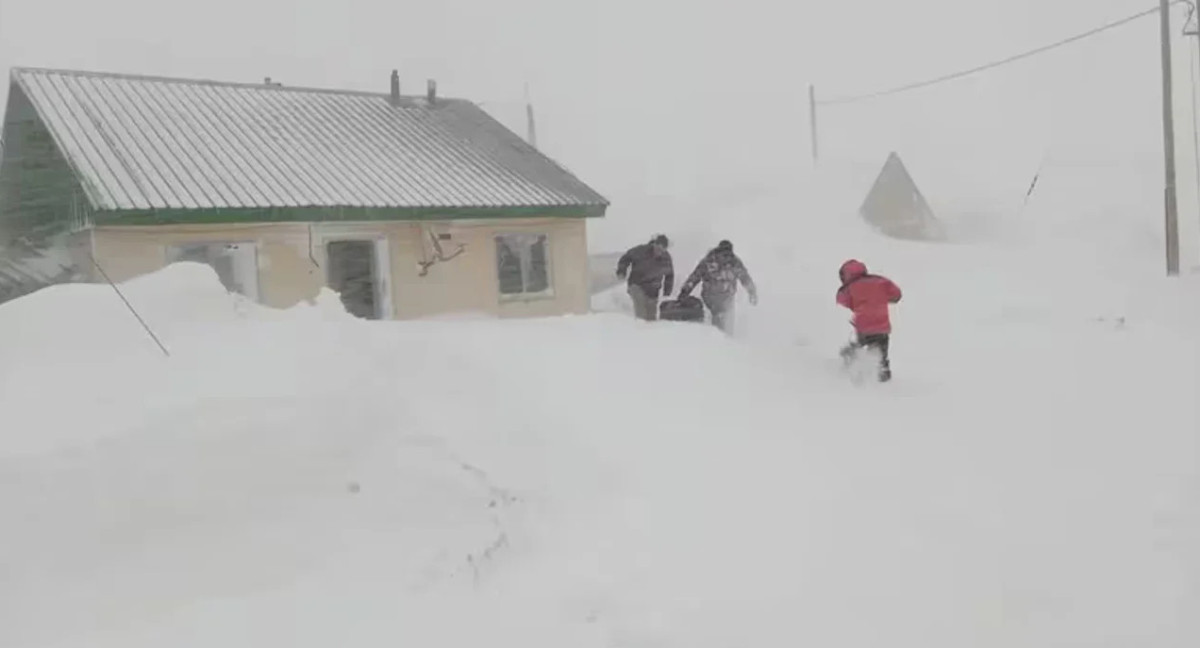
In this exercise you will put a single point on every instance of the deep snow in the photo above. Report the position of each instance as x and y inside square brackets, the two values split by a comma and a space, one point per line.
[1031, 477]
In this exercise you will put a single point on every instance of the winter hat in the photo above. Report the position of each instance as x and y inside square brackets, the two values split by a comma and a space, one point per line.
[725, 246]
[850, 269]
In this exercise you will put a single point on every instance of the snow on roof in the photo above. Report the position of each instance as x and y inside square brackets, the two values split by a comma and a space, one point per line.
[157, 143]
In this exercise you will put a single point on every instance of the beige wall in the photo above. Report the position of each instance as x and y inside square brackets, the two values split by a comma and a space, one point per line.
[291, 258]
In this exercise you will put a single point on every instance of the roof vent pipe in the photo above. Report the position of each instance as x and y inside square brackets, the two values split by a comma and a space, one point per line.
[395, 96]
[431, 92]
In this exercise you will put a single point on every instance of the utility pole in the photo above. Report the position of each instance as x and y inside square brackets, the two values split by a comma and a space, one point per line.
[1192, 28]
[1171, 202]
[812, 119]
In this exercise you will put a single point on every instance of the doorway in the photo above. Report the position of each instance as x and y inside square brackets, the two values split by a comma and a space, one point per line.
[236, 264]
[357, 271]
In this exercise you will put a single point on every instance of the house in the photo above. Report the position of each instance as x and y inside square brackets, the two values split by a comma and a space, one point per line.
[408, 206]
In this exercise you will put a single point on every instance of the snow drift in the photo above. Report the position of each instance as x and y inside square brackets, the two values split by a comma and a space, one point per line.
[301, 477]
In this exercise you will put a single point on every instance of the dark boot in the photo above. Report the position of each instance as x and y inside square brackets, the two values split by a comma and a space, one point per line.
[881, 344]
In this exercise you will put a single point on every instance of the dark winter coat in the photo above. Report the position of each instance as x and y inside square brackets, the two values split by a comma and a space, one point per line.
[720, 272]
[869, 296]
[649, 267]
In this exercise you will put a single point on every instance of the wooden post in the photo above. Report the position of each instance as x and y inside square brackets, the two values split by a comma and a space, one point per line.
[1171, 201]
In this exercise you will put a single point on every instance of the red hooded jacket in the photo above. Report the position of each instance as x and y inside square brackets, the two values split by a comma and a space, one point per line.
[868, 296]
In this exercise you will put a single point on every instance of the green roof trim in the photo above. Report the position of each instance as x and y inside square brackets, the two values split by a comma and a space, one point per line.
[334, 215]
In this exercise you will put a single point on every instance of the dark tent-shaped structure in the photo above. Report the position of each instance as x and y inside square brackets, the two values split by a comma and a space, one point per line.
[896, 207]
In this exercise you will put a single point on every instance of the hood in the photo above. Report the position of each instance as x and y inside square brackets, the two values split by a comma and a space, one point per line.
[724, 250]
[851, 270]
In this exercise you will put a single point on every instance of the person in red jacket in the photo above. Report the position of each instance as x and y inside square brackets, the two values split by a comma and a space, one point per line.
[869, 297]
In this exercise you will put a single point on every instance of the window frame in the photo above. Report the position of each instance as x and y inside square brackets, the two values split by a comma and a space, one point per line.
[174, 249]
[548, 293]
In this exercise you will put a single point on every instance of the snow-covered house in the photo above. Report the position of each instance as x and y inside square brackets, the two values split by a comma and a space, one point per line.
[408, 206]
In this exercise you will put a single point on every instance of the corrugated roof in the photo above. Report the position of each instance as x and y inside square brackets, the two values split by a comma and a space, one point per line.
[142, 143]
[24, 269]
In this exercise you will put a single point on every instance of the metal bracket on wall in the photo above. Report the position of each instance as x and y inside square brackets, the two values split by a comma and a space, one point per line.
[438, 253]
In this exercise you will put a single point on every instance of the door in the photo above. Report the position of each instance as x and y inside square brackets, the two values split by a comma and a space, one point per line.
[352, 274]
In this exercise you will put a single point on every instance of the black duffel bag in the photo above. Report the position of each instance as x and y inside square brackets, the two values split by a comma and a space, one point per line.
[684, 309]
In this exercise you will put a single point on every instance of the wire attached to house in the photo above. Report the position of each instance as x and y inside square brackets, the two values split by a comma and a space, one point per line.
[131, 308]
[311, 257]
[994, 64]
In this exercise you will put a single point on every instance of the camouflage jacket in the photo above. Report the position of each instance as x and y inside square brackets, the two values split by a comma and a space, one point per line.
[720, 271]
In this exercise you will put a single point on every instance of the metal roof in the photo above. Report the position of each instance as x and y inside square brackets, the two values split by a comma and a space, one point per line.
[24, 269]
[140, 143]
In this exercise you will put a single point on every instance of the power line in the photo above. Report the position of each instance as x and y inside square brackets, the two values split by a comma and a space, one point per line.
[994, 64]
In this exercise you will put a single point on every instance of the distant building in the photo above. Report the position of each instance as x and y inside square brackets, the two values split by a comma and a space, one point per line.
[408, 206]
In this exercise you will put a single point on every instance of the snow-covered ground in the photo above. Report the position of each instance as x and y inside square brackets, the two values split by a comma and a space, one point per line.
[1030, 478]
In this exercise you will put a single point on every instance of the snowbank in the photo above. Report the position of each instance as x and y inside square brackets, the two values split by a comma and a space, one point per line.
[304, 478]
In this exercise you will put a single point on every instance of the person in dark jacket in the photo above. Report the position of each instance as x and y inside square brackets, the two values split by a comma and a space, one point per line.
[869, 297]
[720, 272]
[650, 273]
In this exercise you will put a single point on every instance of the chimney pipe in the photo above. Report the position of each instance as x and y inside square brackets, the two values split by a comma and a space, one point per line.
[431, 92]
[395, 96]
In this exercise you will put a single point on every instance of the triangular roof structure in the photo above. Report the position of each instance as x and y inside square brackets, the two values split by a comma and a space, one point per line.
[896, 206]
[151, 143]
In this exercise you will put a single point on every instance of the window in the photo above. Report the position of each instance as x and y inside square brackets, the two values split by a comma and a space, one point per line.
[522, 265]
[236, 263]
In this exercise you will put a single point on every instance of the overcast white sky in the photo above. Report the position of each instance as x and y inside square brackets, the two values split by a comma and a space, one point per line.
[671, 97]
